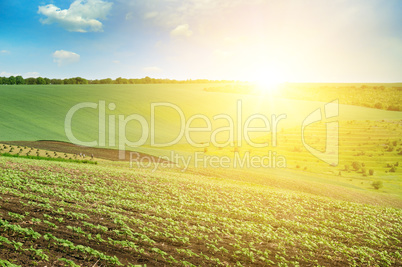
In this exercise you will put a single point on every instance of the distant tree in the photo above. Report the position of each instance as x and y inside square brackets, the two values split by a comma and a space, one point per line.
[73, 81]
[40, 80]
[378, 105]
[94, 82]
[121, 80]
[106, 81]
[70, 81]
[393, 108]
[56, 81]
[356, 165]
[30, 81]
[147, 80]
[11, 80]
[80, 80]
[377, 184]
[19, 80]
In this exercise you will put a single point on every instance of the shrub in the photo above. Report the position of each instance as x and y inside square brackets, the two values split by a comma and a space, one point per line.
[356, 165]
[377, 184]
[393, 108]
[346, 167]
[371, 172]
[393, 169]
[390, 149]
[378, 105]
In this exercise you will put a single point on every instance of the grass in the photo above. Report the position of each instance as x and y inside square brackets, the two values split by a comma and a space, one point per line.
[29, 113]
[385, 96]
[369, 136]
[22, 119]
[51, 211]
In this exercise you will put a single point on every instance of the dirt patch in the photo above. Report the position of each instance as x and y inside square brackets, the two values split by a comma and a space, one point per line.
[64, 147]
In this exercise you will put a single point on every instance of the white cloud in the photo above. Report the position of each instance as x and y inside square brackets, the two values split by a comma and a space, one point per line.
[25, 75]
[4, 52]
[152, 69]
[8, 74]
[33, 74]
[182, 30]
[63, 58]
[116, 61]
[82, 16]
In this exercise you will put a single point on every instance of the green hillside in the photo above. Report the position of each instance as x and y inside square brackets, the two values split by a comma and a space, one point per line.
[370, 137]
[38, 112]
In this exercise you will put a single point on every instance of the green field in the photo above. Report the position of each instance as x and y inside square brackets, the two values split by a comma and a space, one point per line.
[307, 212]
[369, 136]
[55, 213]
[38, 112]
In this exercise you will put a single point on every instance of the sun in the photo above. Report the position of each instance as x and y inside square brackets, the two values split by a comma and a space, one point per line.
[268, 79]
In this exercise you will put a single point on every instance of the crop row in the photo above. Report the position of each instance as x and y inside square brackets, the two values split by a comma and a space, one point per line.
[183, 219]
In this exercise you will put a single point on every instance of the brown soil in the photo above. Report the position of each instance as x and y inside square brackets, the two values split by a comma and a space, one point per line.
[64, 147]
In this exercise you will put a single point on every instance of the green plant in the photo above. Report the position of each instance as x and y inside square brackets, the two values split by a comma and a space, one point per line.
[377, 184]
[6, 263]
[356, 165]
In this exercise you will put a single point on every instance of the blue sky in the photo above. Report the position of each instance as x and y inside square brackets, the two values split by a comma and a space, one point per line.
[317, 41]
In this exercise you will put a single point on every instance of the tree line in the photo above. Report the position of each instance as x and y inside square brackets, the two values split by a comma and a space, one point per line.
[17, 80]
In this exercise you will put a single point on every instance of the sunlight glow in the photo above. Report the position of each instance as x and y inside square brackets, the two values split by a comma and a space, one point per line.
[268, 79]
